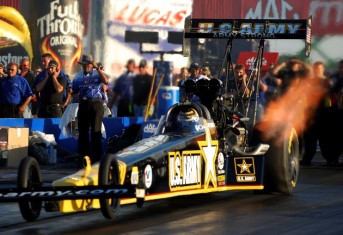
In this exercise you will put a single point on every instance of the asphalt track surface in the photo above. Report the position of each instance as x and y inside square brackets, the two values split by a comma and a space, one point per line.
[314, 207]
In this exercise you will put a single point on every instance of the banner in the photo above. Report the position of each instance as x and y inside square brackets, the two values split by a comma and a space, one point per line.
[56, 28]
[15, 40]
[327, 14]
[247, 58]
[137, 15]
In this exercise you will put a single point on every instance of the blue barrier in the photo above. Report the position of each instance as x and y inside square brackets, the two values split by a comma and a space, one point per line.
[113, 126]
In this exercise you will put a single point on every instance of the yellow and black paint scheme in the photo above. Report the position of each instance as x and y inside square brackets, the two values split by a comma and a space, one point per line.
[169, 165]
[84, 177]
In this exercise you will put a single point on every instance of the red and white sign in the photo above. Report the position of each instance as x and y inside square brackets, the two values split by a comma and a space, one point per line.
[327, 15]
[247, 58]
[147, 15]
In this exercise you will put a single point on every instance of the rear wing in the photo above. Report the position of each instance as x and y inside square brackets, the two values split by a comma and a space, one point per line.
[247, 29]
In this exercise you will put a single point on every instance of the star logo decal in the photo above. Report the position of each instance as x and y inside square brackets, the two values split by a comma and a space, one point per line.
[209, 149]
[244, 167]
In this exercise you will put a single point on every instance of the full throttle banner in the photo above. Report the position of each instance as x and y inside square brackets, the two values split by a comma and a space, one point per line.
[57, 28]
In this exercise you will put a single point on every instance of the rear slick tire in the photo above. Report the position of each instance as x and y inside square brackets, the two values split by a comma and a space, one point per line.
[281, 168]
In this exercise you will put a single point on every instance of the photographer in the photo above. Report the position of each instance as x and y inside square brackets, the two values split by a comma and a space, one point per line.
[88, 85]
[51, 90]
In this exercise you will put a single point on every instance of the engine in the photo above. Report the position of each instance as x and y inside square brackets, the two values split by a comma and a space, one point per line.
[222, 109]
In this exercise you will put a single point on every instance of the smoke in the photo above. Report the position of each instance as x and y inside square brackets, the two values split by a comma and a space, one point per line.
[294, 109]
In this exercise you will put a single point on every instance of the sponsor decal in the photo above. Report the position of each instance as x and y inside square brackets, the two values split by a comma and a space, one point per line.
[246, 178]
[185, 167]
[248, 30]
[150, 128]
[184, 170]
[220, 169]
[166, 96]
[134, 175]
[221, 180]
[148, 176]
[245, 169]
[247, 58]
[209, 149]
[199, 128]
[63, 193]
[220, 163]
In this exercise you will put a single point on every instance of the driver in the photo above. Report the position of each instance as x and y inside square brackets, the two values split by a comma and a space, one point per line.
[187, 120]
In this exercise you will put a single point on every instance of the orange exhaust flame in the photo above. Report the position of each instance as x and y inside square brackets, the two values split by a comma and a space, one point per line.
[294, 109]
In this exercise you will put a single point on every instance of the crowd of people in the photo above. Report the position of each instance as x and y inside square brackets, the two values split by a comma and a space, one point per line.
[323, 108]
[46, 91]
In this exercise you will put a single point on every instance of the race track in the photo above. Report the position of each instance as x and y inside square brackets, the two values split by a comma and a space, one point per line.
[315, 207]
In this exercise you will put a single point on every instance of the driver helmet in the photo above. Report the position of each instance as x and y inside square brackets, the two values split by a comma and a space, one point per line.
[187, 120]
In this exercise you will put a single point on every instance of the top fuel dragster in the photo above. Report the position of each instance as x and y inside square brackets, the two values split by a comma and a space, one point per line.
[198, 147]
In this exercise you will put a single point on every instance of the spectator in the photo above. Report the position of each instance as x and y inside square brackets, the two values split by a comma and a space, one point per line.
[67, 91]
[195, 72]
[122, 91]
[238, 83]
[238, 87]
[141, 87]
[206, 71]
[87, 84]
[312, 134]
[51, 89]
[46, 57]
[38, 70]
[105, 93]
[26, 73]
[290, 73]
[270, 85]
[15, 93]
[195, 75]
[331, 121]
[184, 74]
[2, 72]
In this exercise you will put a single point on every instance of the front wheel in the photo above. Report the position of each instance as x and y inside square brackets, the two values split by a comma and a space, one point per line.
[29, 176]
[109, 175]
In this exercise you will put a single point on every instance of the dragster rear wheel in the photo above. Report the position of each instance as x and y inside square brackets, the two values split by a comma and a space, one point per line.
[109, 175]
[29, 176]
[281, 168]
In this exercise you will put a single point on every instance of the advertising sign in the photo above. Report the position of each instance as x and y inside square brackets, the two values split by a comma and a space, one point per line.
[149, 16]
[247, 58]
[15, 41]
[56, 28]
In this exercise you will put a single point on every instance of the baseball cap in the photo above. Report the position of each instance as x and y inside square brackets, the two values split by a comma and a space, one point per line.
[86, 59]
[194, 66]
[53, 63]
[142, 63]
